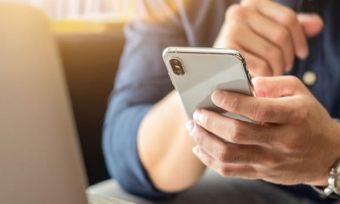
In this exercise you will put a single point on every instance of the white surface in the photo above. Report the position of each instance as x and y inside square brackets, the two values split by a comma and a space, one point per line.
[100, 199]
[111, 189]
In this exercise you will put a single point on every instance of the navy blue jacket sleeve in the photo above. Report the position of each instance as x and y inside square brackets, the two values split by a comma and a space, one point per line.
[142, 81]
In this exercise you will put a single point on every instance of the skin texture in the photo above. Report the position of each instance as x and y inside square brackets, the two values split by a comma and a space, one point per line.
[165, 147]
[268, 35]
[294, 140]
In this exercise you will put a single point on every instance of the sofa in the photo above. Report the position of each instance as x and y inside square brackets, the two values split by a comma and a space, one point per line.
[90, 60]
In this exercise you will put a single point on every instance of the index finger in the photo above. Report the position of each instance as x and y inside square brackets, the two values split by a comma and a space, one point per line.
[286, 17]
[264, 110]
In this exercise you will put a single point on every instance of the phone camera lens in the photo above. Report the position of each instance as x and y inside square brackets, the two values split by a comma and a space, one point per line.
[177, 67]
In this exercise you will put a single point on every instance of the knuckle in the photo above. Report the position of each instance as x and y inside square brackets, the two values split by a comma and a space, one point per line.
[234, 138]
[207, 162]
[206, 120]
[267, 175]
[223, 154]
[228, 154]
[226, 171]
[299, 114]
[261, 68]
[233, 29]
[273, 162]
[273, 53]
[255, 1]
[236, 134]
[231, 103]
[269, 113]
[260, 81]
[292, 145]
[235, 11]
[250, 2]
[198, 136]
[262, 64]
[268, 139]
[289, 18]
[259, 115]
[262, 115]
[233, 36]
[294, 81]
[281, 36]
[264, 70]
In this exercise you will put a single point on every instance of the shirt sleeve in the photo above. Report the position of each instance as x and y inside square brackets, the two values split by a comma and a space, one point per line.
[142, 81]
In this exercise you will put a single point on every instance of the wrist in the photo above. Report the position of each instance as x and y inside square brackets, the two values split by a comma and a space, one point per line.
[332, 189]
[328, 184]
[336, 133]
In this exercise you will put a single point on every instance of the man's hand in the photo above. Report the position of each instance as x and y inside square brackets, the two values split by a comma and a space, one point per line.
[294, 142]
[268, 34]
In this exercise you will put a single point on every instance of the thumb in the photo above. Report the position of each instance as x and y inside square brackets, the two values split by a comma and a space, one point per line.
[312, 24]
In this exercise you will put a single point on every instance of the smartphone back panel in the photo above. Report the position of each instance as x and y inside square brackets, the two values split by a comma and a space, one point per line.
[204, 71]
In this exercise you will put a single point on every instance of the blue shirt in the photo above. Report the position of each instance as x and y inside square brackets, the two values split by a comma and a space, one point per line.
[142, 79]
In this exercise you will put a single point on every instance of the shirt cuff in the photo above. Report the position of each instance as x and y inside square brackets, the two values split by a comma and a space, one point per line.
[122, 156]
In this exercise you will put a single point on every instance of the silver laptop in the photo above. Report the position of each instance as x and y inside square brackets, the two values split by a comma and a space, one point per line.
[40, 161]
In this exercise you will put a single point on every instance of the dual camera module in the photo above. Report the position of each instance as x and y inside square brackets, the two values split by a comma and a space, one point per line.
[177, 66]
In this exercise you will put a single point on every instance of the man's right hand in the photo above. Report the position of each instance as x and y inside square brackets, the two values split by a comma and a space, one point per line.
[268, 35]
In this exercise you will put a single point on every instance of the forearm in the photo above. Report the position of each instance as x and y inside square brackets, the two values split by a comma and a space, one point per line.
[165, 148]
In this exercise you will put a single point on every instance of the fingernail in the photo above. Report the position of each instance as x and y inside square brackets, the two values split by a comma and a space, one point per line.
[195, 150]
[198, 117]
[189, 126]
[217, 97]
[303, 54]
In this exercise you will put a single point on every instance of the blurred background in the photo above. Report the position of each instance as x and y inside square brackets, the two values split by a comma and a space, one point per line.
[89, 35]
[79, 15]
[82, 9]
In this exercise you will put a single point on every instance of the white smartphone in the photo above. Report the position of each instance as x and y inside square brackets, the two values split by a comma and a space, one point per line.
[197, 72]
